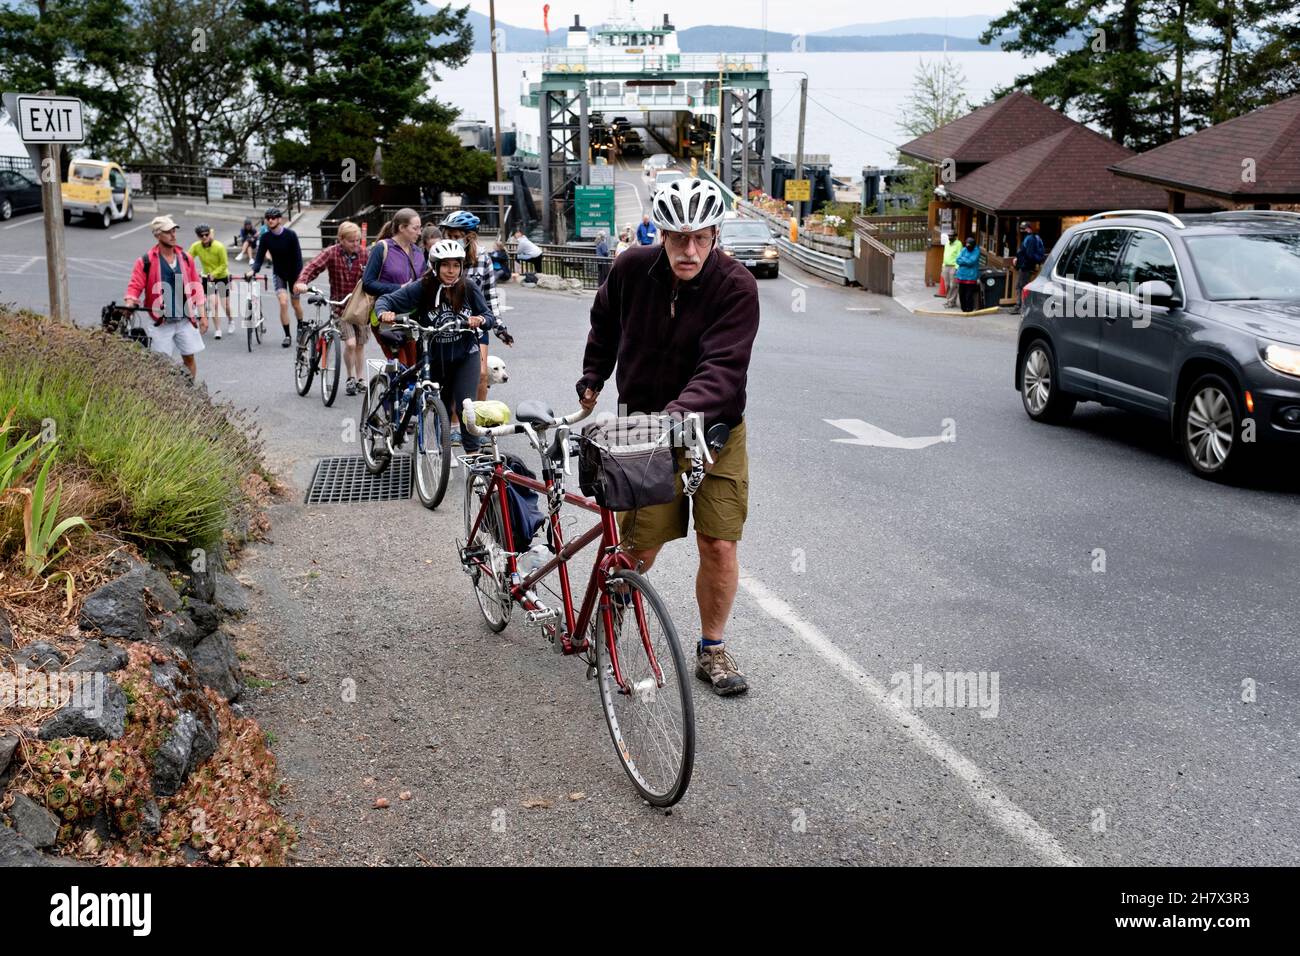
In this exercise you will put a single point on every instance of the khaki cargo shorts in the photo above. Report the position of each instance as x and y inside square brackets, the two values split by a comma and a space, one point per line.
[721, 503]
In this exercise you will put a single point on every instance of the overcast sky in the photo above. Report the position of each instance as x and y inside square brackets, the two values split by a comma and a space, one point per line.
[784, 16]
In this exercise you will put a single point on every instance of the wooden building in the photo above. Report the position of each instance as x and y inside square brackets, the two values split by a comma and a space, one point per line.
[1251, 161]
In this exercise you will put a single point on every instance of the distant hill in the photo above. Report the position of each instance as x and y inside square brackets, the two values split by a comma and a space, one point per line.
[711, 39]
[727, 39]
[969, 27]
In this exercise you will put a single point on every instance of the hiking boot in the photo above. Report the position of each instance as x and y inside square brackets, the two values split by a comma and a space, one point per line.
[351, 387]
[716, 666]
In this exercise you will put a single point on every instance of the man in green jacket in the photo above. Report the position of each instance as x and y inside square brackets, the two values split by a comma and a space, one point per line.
[951, 248]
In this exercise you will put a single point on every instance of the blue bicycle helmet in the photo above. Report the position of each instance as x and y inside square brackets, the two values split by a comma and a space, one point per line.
[460, 219]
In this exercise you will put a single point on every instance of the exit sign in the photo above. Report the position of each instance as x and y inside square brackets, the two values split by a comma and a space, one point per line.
[49, 119]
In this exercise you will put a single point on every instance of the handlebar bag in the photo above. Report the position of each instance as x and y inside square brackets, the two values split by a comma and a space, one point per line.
[624, 465]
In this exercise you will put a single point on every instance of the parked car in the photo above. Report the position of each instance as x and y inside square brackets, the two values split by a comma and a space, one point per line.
[663, 178]
[1192, 319]
[99, 191]
[20, 191]
[750, 241]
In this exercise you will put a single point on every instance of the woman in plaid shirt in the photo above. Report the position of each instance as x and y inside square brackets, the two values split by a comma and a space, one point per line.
[346, 262]
[463, 226]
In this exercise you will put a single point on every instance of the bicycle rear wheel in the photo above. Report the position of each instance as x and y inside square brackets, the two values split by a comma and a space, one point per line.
[305, 358]
[375, 428]
[332, 356]
[432, 451]
[489, 589]
[651, 722]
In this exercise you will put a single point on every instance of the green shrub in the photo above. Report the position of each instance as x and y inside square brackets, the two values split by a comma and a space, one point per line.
[155, 439]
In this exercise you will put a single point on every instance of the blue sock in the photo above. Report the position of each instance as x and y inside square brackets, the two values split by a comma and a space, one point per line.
[705, 643]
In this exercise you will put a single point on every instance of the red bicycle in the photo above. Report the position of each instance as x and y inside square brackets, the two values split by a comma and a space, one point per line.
[623, 631]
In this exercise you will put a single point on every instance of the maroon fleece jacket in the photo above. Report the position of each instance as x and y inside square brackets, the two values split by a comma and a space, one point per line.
[680, 347]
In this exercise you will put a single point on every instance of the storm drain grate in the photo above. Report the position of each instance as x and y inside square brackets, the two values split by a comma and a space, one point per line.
[345, 479]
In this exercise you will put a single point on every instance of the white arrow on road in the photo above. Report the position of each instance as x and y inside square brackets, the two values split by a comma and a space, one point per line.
[864, 433]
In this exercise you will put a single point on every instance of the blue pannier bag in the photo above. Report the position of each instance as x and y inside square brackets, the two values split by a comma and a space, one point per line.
[526, 514]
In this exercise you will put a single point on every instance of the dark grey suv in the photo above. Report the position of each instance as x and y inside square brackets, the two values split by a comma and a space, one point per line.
[1193, 319]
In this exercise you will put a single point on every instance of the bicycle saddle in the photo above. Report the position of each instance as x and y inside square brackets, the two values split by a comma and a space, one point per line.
[535, 412]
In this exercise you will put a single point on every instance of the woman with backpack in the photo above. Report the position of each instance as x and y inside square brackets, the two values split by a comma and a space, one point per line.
[396, 259]
[442, 294]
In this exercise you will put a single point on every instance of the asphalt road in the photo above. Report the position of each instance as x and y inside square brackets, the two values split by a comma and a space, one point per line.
[1118, 735]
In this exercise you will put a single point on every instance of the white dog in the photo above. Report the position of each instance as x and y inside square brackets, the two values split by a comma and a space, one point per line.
[497, 374]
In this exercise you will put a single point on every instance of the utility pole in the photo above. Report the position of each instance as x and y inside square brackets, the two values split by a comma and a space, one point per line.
[798, 156]
[55, 255]
[496, 117]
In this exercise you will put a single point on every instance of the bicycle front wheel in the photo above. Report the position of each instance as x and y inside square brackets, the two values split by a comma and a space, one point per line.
[432, 452]
[489, 587]
[651, 716]
[332, 356]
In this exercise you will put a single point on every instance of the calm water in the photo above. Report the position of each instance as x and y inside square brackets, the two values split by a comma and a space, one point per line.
[854, 99]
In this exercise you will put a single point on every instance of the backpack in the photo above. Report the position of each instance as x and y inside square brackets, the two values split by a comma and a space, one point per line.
[526, 514]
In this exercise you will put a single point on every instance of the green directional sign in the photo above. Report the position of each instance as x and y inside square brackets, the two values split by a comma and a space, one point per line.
[593, 210]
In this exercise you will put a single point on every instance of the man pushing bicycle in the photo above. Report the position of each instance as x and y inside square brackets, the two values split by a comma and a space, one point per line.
[678, 320]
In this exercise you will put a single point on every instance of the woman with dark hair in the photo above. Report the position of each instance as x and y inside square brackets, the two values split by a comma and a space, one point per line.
[428, 236]
[396, 258]
[442, 294]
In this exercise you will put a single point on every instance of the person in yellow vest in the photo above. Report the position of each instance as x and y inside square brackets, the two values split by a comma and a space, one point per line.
[951, 249]
[214, 260]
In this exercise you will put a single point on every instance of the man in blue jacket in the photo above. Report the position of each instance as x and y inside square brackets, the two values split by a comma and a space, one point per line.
[1028, 257]
[646, 232]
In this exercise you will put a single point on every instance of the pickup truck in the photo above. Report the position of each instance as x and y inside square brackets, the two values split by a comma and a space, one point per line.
[97, 190]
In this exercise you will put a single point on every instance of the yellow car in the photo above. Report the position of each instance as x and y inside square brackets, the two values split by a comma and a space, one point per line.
[97, 190]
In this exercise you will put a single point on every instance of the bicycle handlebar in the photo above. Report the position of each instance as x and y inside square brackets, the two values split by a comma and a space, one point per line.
[316, 297]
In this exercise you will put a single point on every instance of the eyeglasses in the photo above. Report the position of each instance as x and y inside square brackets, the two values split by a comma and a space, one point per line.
[683, 240]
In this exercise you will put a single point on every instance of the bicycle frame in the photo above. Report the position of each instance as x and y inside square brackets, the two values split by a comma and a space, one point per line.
[608, 559]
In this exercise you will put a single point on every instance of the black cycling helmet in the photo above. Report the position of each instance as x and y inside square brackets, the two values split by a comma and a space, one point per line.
[201, 228]
[274, 211]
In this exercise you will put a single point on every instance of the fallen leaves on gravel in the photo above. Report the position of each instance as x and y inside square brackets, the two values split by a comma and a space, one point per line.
[536, 804]
[404, 795]
[577, 795]
[381, 803]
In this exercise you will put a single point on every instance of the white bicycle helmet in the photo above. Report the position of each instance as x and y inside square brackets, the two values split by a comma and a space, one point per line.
[685, 205]
[447, 249]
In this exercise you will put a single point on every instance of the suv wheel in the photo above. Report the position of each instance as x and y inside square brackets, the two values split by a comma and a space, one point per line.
[1209, 428]
[1040, 391]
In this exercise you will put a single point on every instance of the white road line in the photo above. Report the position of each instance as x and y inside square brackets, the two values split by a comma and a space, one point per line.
[28, 264]
[795, 281]
[859, 309]
[996, 804]
[135, 229]
[25, 222]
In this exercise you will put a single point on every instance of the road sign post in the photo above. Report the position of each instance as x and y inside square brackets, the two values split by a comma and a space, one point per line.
[47, 121]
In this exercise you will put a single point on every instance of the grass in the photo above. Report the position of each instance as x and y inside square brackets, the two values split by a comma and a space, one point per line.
[175, 461]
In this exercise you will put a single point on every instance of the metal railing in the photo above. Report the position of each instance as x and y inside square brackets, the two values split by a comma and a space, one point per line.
[567, 262]
[248, 184]
[582, 61]
[15, 162]
[818, 263]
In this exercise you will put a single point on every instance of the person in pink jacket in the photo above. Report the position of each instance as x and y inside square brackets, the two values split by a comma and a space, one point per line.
[167, 283]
